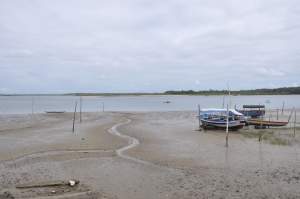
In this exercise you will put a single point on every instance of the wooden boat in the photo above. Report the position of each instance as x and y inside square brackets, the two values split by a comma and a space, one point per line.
[261, 122]
[253, 111]
[221, 124]
[217, 119]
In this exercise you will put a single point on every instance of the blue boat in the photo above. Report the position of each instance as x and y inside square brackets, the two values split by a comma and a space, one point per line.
[217, 119]
[253, 111]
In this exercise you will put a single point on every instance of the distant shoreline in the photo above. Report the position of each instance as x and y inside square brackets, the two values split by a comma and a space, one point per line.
[263, 91]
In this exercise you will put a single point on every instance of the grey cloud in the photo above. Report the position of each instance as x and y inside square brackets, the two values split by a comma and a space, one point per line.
[142, 45]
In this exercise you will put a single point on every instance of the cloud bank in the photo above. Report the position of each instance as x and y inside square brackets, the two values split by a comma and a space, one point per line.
[147, 46]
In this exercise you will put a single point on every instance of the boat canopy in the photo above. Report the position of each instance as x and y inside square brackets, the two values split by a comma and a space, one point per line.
[214, 111]
[254, 106]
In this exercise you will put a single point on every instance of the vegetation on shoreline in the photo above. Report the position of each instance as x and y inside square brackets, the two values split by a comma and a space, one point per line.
[263, 91]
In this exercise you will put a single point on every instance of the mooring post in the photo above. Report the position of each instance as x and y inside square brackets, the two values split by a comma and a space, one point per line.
[32, 105]
[270, 116]
[199, 119]
[295, 120]
[80, 105]
[227, 126]
[74, 117]
[223, 104]
[259, 137]
[282, 109]
[277, 114]
[291, 114]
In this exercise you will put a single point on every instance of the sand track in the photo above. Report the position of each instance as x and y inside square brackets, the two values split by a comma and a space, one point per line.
[52, 155]
[38, 156]
[132, 143]
[58, 155]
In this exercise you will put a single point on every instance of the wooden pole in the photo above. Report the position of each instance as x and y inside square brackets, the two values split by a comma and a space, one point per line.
[229, 95]
[227, 126]
[277, 114]
[32, 105]
[295, 120]
[223, 105]
[80, 105]
[74, 117]
[102, 106]
[282, 109]
[290, 116]
[261, 122]
[270, 116]
[199, 119]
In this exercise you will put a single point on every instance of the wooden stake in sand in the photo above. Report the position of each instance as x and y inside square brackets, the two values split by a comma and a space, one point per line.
[32, 105]
[223, 104]
[270, 116]
[295, 120]
[80, 105]
[282, 109]
[199, 119]
[74, 117]
[291, 114]
[227, 126]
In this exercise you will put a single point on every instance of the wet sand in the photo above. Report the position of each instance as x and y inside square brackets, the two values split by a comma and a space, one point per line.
[141, 155]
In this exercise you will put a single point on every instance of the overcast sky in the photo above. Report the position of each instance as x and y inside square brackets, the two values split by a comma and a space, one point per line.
[147, 45]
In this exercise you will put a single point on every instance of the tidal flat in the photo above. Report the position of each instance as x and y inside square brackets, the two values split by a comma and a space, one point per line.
[143, 155]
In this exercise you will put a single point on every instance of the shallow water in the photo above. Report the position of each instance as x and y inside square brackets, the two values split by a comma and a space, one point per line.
[39, 104]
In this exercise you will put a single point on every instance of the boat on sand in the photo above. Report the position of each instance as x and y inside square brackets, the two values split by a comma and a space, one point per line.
[266, 123]
[217, 119]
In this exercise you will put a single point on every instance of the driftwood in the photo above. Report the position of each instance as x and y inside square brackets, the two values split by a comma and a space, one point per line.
[48, 184]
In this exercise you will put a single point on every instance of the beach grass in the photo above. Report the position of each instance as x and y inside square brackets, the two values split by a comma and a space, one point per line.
[265, 135]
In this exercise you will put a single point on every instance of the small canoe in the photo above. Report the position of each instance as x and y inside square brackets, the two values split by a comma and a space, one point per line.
[259, 122]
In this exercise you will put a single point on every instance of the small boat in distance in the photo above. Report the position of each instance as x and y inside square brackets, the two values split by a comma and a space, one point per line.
[167, 102]
[217, 119]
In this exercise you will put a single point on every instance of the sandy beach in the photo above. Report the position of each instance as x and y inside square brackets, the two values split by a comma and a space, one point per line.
[135, 155]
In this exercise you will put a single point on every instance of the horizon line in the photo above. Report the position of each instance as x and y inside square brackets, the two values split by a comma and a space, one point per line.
[145, 93]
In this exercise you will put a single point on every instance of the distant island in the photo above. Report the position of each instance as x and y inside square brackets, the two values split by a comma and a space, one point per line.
[262, 91]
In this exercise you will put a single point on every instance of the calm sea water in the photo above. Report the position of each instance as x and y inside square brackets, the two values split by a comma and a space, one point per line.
[40, 104]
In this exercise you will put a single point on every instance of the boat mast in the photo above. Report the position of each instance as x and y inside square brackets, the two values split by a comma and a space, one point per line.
[227, 121]
[223, 105]
[229, 95]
